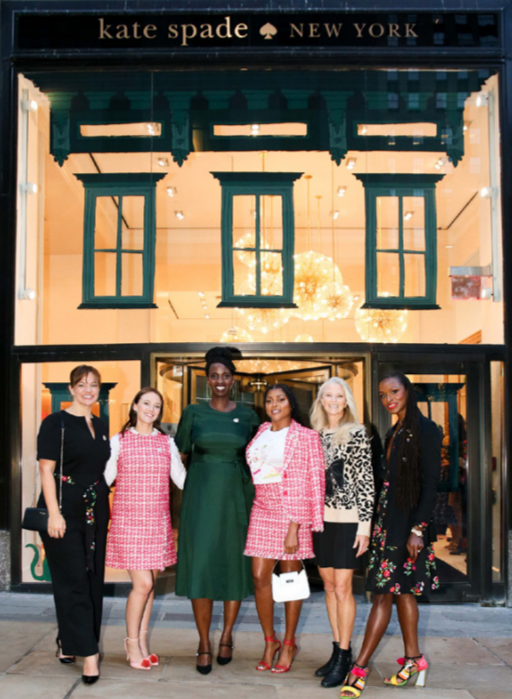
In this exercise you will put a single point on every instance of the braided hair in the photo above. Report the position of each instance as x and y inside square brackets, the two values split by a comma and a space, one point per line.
[292, 400]
[408, 483]
[221, 355]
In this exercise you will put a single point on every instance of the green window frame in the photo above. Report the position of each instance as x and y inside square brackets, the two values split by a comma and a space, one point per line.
[257, 185]
[116, 188]
[409, 252]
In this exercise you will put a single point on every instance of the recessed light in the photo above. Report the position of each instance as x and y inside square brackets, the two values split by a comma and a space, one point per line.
[179, 214]
[255, 130]
[163, 162]
[30, 188]
[407, 215]
[448, 247]
[30, 105]
[351, 163]
[485, 192]
[481, 99]
[172, 191]
[341, 191]
[335, 214]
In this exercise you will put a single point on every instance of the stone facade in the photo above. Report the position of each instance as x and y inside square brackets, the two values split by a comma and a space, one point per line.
[5, 560]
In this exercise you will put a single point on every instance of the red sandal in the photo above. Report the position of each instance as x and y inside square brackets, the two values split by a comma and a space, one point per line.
[280, 669]
[262, 665]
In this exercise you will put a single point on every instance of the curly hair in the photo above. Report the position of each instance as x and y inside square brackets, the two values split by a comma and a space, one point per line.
[222, 355]
[408, 482]
[132, 418]
[292, 400]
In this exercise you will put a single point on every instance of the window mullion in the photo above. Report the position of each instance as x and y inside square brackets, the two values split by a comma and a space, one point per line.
[401, 244]
[119, 246]
[257, 247]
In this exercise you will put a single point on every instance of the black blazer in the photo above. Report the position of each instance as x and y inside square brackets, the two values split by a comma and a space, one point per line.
[399, 522]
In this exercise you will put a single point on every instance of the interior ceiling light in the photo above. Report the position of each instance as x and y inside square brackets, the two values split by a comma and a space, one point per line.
[362, 129]
[448, 247]
[179, 214]
[30, 188]
[235, 334]
[152, 128]
[30, 105]
[441, 162]
[334, 214]
[485, 192]
[380, 325]
[163, 162]
[255, 130]
[341, 191]
[407, 215]
[28, 295]
[172, 191]
[303, 337]
[351, 163]
[481, 99]
[466, 126]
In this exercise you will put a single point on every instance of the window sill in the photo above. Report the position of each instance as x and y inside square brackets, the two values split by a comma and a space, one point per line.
[116, 304]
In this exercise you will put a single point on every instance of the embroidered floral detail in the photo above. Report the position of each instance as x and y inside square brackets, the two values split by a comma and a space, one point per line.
[430, 564]
[66, 479]
[435, 583]
[418, 588]
[385, 571]
[409, 566]
[395, 589]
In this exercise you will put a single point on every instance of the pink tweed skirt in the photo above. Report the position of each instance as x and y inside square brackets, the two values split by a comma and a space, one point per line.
[268, 527]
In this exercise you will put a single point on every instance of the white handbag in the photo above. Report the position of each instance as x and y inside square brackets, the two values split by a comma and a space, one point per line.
[288, 587]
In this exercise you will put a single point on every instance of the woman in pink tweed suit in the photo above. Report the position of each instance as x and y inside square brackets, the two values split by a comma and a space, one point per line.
[288, 471]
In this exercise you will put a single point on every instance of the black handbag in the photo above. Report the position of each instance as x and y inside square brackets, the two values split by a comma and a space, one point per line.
[35, 519]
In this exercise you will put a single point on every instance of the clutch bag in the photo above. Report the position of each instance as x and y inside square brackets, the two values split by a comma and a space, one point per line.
[35, 519]
[288, 587]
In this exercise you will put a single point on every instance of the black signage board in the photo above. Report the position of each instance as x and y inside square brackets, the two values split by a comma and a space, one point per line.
[181, 32]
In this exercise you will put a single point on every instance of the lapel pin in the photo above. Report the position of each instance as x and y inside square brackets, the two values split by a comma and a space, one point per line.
[235, 419]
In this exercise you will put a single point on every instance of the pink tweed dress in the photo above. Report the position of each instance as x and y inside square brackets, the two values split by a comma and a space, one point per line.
[141, 536]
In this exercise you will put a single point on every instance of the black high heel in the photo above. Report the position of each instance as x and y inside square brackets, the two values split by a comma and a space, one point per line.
[225, 661]
[204, 669]
[66, 660]
[92, 679]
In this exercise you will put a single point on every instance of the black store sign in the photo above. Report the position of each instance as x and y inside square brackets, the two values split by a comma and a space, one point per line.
[191, 31]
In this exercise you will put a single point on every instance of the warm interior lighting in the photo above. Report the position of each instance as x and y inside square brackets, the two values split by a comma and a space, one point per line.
[407, 215]
[30, 105]
[485, 192]
[172, 191]
[285, 129]
[28, 295]
[341, 191]
[423, 129]
[179, 214]
[335, 214]
[31, 188]
[481, 100]
[141, 129]
[163, 162]
[351, 163]
[441, 162]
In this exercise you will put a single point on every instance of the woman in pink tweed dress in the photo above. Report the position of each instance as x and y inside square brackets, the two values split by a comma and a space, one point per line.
[141, 539]
[288, 471]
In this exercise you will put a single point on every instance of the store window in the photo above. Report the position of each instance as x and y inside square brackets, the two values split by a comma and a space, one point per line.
[401, 241]
[257, 238]
[119, 240]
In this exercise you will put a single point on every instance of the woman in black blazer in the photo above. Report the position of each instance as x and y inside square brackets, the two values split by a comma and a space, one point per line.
[402, 561]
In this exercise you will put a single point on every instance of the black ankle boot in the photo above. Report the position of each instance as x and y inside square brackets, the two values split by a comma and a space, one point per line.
[339, 670]
[325, 669]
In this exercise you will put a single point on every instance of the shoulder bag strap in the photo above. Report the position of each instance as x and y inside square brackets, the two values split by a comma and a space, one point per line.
[62, 427]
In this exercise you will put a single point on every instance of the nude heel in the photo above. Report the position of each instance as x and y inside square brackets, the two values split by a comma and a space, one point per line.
[145, 663]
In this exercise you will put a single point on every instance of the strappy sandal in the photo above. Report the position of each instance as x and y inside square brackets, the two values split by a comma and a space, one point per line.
[152, 657]
[144, 664]
[204, 669]
[355, 689]
[224, 661]
[280, 669]
[411, 667]
[262, 665]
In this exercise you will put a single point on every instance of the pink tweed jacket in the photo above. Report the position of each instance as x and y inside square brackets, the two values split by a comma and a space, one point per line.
[303, 483]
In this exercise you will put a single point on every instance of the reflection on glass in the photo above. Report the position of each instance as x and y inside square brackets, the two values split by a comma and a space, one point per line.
[271, 222]
[131, 279]
[132, 223]
[414, 223]
[271, 274]
[388, 274]
[105, 224]
[244, 283]
[244, 221]
[414, 267]
[387, 223]
[105, 273]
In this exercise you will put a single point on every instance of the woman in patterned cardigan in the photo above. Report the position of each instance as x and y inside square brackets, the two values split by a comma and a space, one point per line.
[349, 499]
[288, 471]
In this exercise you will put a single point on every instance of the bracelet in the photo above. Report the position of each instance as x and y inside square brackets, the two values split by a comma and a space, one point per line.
[418, 532]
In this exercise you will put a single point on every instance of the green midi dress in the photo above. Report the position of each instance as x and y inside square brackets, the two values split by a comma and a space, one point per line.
[216, 505]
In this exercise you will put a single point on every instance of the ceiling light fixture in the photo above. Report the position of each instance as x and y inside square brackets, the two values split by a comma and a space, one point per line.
[163, 162]
[407, 215]
[255, 130]
[481, 99]
[29, 105]
[151, 129]
[172, 191]
[351, 163]
[27, 295]
[180, 215]
[335, 214]
[341, 191]
[486, 192]
[30, 188]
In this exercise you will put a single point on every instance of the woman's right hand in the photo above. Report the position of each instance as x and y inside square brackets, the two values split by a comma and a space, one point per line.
[56, 526]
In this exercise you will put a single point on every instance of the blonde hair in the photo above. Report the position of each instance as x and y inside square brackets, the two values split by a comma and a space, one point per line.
[348, 423]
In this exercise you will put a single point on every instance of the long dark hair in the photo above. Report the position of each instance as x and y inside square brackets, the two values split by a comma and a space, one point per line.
[132, 419]
[292, 400]
[408, 482]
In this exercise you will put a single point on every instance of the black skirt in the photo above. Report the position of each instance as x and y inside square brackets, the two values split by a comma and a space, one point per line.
[334, 546]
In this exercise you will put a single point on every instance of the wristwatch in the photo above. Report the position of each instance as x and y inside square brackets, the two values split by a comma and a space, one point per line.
[418, 532]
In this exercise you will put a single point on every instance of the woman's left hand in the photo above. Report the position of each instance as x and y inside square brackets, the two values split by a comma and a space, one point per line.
[414, 546]
[291, 542]
[361, 544]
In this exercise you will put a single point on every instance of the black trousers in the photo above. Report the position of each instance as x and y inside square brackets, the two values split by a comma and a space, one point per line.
[78, 593]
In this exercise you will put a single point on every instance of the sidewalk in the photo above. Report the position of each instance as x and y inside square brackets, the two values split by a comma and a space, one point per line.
[469, 649]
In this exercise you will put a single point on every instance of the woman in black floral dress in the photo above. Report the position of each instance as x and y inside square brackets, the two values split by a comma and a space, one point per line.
[402, 562]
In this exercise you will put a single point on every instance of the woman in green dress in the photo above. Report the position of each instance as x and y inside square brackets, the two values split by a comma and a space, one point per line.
[216, 506]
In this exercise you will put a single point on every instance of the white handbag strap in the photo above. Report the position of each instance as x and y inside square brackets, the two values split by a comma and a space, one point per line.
[290, 571]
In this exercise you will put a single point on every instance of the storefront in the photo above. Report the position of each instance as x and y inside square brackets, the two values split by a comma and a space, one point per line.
[325, 190]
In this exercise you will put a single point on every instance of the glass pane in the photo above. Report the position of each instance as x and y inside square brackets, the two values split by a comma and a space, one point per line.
[105, 273]
[105, 224]
[414, 266]
[244, 283]
[132, 223]
[271, 222]
[244, 221]
[388, 274]
[414, 223]
[498, 431]
[387, 223]
[132, 274]
[271, 274]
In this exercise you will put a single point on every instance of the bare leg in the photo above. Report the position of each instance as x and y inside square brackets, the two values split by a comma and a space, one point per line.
[327, 575]
[408, 615]
[378, 621]
[261, 573]
[143, 584]
[203, 615]
[143, 637]
[292, 613]
[231, 610]
[345, 605]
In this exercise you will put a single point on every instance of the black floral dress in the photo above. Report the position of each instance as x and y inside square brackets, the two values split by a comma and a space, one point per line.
[390, 568]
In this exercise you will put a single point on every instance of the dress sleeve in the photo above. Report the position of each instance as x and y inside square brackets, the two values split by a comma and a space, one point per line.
[430, 444]
[364, 483]
[254, 424]
[316, 465]
[110, 473]
[48, 439]
[183, 438]
[177, 471]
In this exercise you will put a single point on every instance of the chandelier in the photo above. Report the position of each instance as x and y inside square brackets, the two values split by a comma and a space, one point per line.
[265, 319]
[235, 334]
[380, 325]
[303, 337]
[314, 275]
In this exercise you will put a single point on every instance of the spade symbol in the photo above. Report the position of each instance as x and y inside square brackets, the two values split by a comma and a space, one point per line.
[268, 31]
